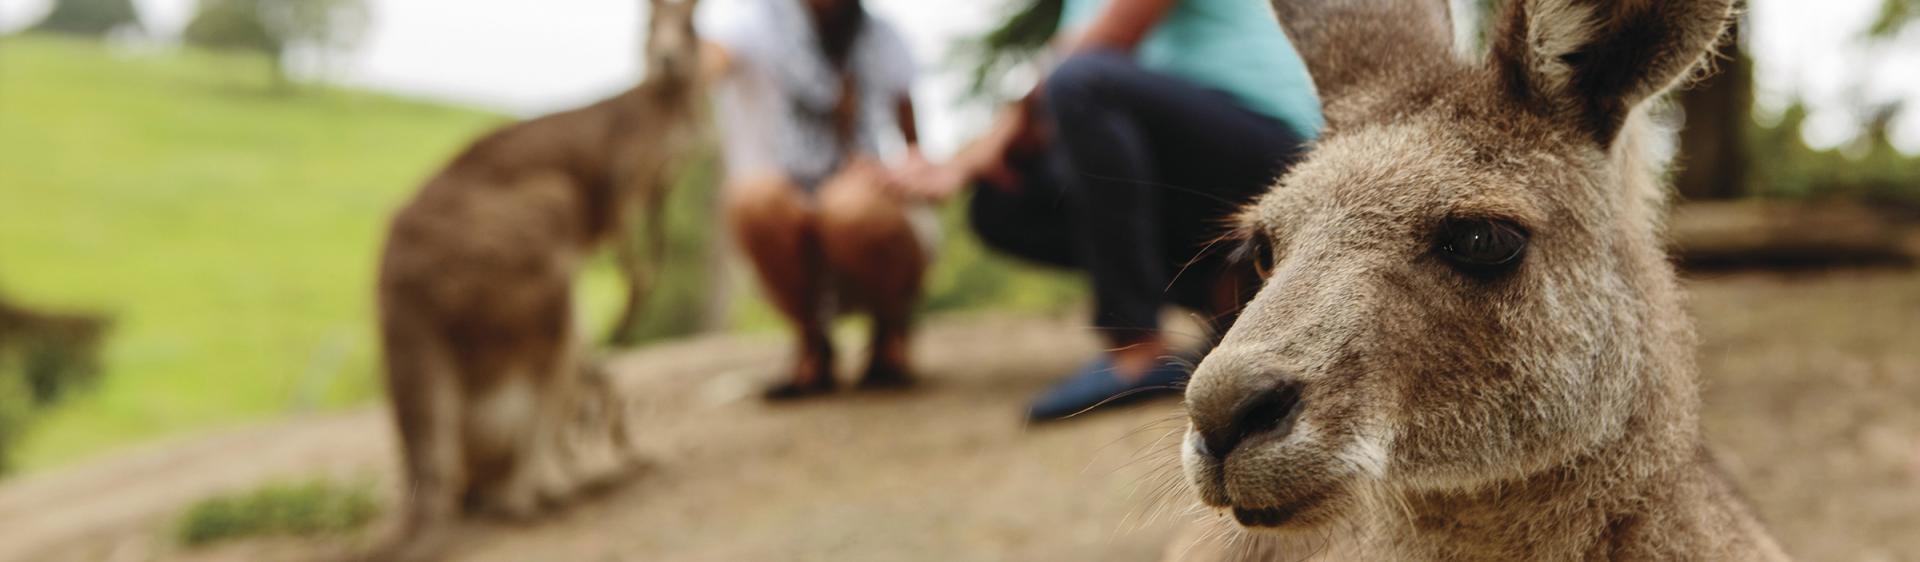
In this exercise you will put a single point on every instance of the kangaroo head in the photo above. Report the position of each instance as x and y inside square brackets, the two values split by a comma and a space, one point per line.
[1465, 283]
[673, 49]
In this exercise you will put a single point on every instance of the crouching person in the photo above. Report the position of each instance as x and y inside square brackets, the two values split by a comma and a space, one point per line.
[808, 92]
[1164, 118]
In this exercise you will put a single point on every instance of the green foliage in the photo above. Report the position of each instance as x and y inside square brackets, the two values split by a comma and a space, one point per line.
[307, 508]
[89, 17]
[60, 362]
[270, 27]
[43, 358]
[1870, 167]
[233, 234]
[54, 369]
[232, 24]
[677, 305]
[1029, 27]
[1485, 15]
[1867, 167]
[325, 23]
[1894, 16]
[16, 408]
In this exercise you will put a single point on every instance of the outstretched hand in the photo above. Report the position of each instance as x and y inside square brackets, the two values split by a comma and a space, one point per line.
[984, 160]
[918, 178]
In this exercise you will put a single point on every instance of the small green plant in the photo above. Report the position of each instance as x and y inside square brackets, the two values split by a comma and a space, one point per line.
[305, 508]
[44, 356]
[16, 407]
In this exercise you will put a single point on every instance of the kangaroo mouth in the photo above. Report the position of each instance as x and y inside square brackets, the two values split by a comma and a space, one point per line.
[1280, 515]
[1261, 517]
[1268, 485]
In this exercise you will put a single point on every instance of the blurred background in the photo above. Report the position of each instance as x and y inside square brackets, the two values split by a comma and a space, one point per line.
[192, 196]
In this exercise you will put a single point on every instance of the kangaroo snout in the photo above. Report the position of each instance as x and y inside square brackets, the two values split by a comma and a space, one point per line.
[1255, 448]
[1266, 407]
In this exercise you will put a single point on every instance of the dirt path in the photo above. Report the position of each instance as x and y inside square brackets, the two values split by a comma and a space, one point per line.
[1814, 400]
[949, 468]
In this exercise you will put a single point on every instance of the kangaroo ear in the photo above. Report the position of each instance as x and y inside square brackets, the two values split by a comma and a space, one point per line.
[1593, 61]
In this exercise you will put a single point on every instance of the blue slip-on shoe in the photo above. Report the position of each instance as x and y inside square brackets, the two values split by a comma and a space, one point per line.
[1095, 384]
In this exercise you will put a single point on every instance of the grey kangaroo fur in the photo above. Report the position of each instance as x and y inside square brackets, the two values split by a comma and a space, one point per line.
[1471, 344]
[494, 412]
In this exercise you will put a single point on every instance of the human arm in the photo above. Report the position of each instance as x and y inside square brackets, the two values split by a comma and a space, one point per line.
[914, 175]
[1120, 26]
[715, 61]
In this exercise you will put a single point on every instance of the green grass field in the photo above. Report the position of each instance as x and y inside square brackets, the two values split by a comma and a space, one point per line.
[232, 233]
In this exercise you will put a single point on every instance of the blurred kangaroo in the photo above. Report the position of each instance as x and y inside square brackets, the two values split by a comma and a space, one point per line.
[475, 294]
[1470, 344]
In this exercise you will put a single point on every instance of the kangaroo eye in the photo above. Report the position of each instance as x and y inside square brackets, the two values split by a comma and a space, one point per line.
[1254, 248]
[1482, 243]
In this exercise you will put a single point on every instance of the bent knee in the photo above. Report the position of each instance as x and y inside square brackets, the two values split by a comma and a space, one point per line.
[860, 200]
[1083, 77]
[761, 198]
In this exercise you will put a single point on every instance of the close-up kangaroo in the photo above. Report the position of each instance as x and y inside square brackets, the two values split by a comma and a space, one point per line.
[475, 294]
[1470, 344]
[1178, 280]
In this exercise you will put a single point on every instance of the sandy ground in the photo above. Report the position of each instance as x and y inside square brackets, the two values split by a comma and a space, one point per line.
[1813, 402]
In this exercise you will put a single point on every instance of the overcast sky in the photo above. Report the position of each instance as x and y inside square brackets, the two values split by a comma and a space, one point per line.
[533, 56]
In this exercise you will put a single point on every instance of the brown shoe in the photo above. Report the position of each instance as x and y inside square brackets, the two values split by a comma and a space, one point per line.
[883, 377]
[812, 375]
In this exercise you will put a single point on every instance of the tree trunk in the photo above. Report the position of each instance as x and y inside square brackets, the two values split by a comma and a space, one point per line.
[1713, 158]
[716, 314]
[278, 82]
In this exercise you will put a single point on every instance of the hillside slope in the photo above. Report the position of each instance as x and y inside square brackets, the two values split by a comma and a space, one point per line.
[231, 231]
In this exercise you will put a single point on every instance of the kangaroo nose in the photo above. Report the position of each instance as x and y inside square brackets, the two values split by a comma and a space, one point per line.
[1270, 410]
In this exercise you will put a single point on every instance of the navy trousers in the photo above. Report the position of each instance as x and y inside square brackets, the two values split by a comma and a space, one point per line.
[1143, 170]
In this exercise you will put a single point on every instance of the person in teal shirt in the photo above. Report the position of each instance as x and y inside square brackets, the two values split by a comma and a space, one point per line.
[1161, 120]
[1234, 46]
